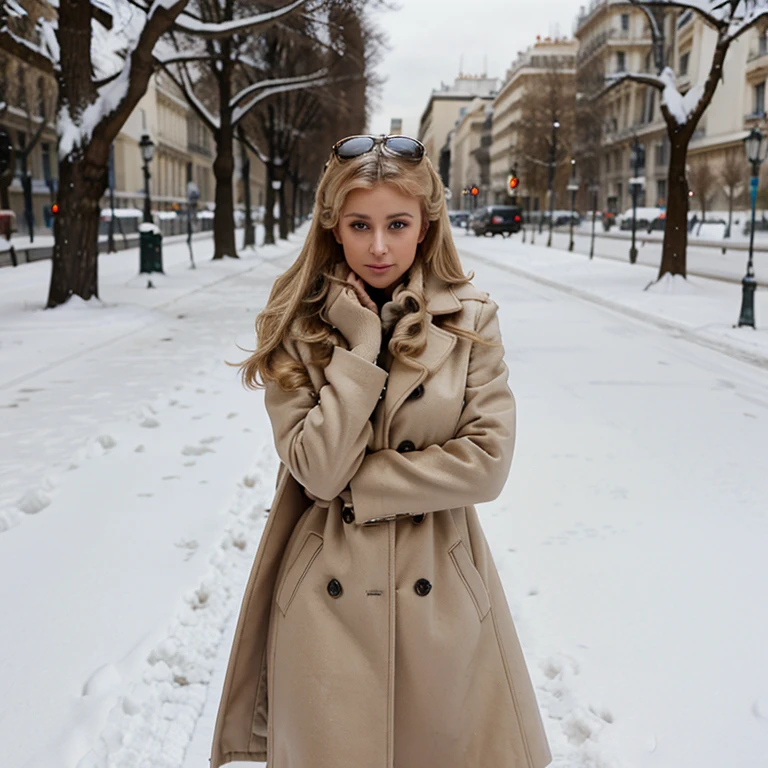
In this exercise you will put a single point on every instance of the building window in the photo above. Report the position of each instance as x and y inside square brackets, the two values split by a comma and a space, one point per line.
[651, 105]
[46, 153]
[661, 153]
[621, 61]
[759, 99]
[625, 22]
[661, 192]
[762, 43]
[684, 60]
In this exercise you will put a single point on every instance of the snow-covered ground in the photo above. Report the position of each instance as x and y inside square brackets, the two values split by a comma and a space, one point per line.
[630, 537]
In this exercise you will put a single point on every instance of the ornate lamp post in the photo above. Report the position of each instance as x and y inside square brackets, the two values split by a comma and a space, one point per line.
[573, 188]
[756, 150]
[147, 152]
[638, 162]
[552, 156]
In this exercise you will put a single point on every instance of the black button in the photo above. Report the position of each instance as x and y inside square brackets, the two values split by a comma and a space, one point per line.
[418, 519]
[334, 588]
[383, 391]
[406, 447]
[417, 393]
[422, 587]
[348, 515]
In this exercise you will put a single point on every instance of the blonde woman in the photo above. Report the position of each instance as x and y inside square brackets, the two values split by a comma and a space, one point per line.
[374, 632]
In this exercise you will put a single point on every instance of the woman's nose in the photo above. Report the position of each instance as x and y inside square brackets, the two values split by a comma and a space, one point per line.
[378, 243]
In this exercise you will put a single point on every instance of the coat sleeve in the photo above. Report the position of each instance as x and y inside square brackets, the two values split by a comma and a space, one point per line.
[322, 438]
[470, 468]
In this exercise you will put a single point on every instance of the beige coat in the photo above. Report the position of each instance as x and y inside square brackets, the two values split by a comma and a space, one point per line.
[387, 644]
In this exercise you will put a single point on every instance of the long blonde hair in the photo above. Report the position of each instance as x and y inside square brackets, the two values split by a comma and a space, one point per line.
[298, 295]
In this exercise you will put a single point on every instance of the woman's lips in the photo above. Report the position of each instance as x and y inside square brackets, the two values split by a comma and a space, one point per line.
[379, 269]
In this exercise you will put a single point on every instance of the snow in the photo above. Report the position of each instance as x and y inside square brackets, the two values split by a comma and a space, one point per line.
[148, 227]
[679, 106]
[135, 473]
[222, 29]
[310, 81]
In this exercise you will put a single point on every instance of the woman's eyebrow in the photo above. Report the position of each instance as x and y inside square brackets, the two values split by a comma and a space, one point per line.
[365, 216]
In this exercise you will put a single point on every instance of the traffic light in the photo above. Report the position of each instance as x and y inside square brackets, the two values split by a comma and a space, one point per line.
[55, 209]
[474, 191]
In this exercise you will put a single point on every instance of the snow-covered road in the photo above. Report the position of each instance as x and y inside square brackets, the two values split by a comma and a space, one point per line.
[630, 536]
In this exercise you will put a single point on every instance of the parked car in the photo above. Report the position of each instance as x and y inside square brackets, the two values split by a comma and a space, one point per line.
[645, 219]
[502, 220]
[459, 218]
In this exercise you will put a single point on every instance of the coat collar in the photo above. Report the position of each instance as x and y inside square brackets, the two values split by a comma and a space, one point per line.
[441, 300]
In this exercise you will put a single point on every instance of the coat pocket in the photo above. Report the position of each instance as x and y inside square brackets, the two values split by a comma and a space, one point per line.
[471, 578]
[309, 550]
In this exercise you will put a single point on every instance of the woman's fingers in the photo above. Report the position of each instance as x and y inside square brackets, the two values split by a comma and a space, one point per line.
[362, 295]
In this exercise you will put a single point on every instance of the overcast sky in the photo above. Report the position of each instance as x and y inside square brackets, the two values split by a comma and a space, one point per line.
[428, 39]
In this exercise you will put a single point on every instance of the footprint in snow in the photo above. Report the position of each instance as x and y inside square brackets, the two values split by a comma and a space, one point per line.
[106, 441]
[33, 502]
[196, 450]
[139, 449]
[760, 708]
[231, 415]
[150, 423]
[210, 440]
[145, 495]
[172, 477]
[190, 463]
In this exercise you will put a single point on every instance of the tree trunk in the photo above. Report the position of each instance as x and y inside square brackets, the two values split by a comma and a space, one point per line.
[224, 167]
[249, 239]
[730, 212]
[283, 212]
[76, 231]
[673, 252]
[294, 201]
[269, 212]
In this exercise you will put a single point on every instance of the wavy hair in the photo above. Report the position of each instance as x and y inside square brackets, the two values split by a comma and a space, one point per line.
[293, 310]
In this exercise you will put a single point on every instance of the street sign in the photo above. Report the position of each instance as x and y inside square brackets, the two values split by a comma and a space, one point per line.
[573, 187]
[637, 180]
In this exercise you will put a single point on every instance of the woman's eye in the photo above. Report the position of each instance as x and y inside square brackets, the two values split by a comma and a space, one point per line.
[359, 225]
[399, 225]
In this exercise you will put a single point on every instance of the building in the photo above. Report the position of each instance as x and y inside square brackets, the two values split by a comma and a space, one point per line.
[531, 67]
[396, 126]
[446, 105]
[614, 37]
[470, 143]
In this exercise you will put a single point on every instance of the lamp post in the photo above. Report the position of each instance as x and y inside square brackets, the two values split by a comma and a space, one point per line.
[573, 188]
[638, 160]
[147, 152]
[552, 155]
[595, 189]
[756, 150]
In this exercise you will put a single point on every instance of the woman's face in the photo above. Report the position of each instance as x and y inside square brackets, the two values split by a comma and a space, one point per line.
[379, 229]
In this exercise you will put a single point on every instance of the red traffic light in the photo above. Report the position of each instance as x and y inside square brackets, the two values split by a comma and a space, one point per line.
[513, 182]
[474, 191]
[55, 208]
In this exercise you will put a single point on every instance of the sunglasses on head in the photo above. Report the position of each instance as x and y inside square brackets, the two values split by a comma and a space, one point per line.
[398, 146]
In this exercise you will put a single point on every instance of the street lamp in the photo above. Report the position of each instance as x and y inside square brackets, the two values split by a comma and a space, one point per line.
[756, 150]
[552, 155]
[147, 147]
[638, 160]
[595, 188]
[573, 188]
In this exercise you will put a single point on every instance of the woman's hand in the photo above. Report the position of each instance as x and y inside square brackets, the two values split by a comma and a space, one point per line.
[361, 293]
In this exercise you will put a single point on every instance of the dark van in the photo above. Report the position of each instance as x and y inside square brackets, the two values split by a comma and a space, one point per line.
[502, 220]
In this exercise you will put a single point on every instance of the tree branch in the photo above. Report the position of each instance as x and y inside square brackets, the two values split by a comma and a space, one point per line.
[24, 50]
[240, 112]
[185, 86]
[216, 31]
[275, 83]
[686, 6]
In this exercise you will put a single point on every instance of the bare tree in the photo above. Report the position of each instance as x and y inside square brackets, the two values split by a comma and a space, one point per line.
[732, 177]
[730, 19]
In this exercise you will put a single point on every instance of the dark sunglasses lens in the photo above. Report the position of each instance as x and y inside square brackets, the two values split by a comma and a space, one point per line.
[405, 147]
[354, 147]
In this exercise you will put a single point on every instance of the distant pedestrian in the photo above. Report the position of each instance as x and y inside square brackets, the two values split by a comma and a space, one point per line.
[375, 632]
[692, 222]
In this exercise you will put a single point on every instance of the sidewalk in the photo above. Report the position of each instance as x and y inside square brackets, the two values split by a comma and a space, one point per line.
[699, 309]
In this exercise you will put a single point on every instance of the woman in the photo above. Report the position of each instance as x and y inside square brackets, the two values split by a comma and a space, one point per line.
[374, 630]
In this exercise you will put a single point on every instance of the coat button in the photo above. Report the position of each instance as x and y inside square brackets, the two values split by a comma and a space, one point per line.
[417, 393]
[422, 587]
[418, 519]
[334, 588]
[406, 447]
[348, 514]
[383, 391]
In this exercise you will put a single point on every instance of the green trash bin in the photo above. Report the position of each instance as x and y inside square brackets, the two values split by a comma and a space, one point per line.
[150, 248]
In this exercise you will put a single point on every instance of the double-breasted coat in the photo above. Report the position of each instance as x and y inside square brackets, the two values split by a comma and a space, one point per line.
[374, 631]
